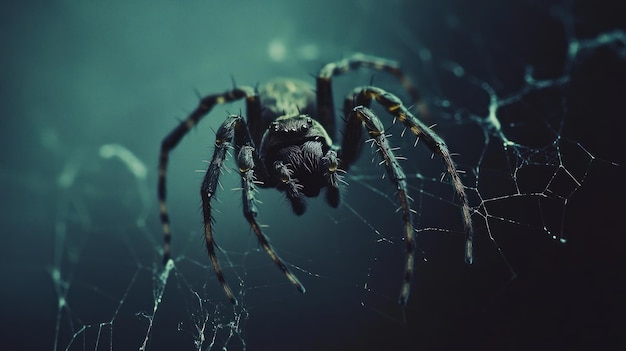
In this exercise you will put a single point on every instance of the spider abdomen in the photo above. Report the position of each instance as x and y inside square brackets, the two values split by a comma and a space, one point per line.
[284, 96]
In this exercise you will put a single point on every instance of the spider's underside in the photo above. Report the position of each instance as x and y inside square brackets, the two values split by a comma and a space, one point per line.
[287, 143]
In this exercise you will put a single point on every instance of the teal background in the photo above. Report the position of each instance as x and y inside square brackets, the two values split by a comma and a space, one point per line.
[76, 75]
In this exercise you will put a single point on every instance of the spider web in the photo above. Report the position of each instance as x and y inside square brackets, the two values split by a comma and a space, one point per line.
[527, 94]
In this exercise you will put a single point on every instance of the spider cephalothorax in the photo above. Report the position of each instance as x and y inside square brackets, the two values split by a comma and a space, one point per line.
[287, 143]
[298, 149]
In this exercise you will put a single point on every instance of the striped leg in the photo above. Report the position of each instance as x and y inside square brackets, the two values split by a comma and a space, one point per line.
[176, 135]
[245, 162]
[325, 103]
[395, 107]
[223, 142]
[362, 97]
[234, 129]
[396, 175]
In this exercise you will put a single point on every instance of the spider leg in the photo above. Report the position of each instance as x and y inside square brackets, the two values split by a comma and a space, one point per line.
[325, 102]
[395, 107]
[396, 175]
[351, 144]
[245, 162]
[176, 135]
[235, 129]
[223, 142]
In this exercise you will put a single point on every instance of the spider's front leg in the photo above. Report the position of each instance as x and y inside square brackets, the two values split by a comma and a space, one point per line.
[363, 115]
[223, 142]
[394, 106]
[235, 129]
[175, 136]
[246, 163]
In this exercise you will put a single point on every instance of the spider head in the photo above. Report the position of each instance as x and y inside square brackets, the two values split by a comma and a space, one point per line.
[291, 130]
[293, 148]
[292, 125]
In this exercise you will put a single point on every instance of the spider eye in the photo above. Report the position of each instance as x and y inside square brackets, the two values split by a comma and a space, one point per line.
[274, 126]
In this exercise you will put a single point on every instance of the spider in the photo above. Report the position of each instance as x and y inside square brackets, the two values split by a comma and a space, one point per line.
[287, 143]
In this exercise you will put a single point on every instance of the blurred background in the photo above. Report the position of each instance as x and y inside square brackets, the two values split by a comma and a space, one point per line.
[528, 93]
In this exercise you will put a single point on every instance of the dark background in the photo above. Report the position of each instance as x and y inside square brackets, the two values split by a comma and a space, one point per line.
[80, 262]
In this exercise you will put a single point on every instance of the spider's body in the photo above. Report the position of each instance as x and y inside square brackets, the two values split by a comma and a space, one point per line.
[292, 137]
[287, 143]
[296, 143]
